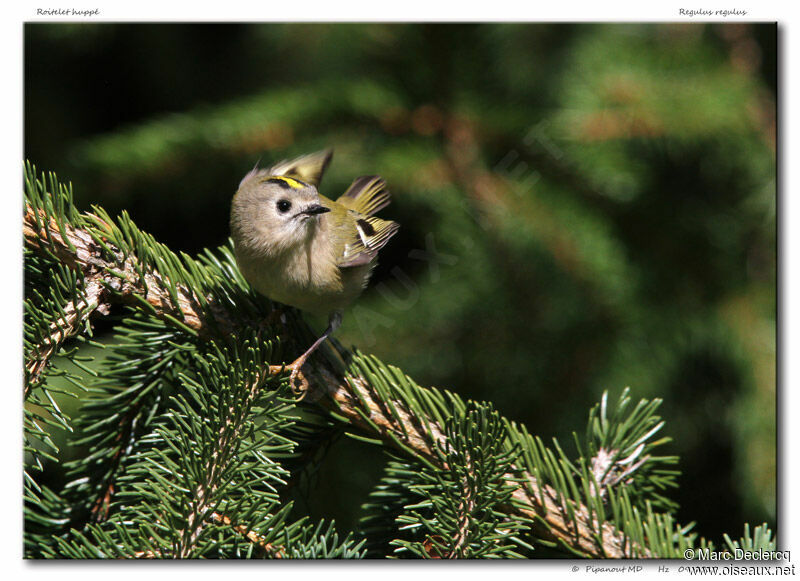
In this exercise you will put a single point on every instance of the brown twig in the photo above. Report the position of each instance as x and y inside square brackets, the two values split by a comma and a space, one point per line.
[88, 257]
[331, 389]
[102, 503]
[75, 312]
[275, 551]
[228, 435]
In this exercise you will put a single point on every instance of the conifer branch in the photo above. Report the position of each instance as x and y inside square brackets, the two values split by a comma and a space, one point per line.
[533, 500]
[274, 551]
[464, 509]
[68, 325]
[100, 507]
[123, 280]
[204, 493]
[81, 251]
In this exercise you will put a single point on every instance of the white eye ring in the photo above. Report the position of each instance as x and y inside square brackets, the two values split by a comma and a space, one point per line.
[284, 206]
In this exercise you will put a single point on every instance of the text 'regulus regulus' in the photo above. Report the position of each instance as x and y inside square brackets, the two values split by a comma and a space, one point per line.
[302, 249]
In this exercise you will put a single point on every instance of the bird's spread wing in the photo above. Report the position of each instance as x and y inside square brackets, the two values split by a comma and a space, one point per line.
[308, 168]
[370, 235]
[366, 195]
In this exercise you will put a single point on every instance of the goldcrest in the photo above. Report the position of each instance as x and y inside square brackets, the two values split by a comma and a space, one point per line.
[302, 249]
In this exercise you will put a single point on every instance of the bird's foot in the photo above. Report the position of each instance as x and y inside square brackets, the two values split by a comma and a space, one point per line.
[299, 388]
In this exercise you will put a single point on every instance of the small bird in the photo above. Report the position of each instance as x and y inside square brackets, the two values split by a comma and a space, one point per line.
[299, 248]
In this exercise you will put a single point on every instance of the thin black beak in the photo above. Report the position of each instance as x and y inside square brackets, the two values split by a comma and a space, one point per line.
[315, 209]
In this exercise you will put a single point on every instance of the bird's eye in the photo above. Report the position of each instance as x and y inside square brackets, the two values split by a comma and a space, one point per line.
[284, 205]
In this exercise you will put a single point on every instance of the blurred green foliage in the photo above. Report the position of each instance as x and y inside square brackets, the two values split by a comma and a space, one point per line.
[583, 206]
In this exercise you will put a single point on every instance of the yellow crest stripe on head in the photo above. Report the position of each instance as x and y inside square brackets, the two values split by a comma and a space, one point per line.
[291, 182]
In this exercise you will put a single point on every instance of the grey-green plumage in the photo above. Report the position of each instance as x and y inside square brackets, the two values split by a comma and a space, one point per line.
[302, 249]
[318, 262]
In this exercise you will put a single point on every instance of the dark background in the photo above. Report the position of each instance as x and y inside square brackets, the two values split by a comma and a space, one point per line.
[601, 198]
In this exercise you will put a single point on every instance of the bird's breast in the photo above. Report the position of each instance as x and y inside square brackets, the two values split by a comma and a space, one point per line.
[306, 277]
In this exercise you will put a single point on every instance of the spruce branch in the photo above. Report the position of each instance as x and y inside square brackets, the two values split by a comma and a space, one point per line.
[461, 512]
[357, 398]
[274, 551]
[228, 434]
[86, 253]
[68, 325]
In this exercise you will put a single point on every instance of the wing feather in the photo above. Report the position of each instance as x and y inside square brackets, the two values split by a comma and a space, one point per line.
[369, 236]
[307, 168]
[366, 195]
